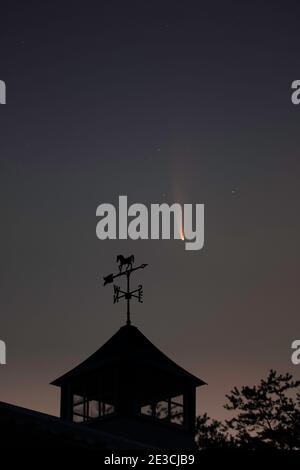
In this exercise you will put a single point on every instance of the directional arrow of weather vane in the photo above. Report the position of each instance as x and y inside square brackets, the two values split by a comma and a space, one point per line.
[127, 264]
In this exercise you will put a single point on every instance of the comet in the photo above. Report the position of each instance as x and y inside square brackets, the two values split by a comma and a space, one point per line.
[181, 233]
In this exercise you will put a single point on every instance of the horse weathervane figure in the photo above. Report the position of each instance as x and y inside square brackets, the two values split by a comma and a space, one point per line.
[127, 264]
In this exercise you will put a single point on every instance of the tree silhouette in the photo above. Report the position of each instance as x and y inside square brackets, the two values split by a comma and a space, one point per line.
[212, 434]
[266, 416]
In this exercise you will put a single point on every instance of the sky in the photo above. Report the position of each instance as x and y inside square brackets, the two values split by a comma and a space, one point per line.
[162, 101]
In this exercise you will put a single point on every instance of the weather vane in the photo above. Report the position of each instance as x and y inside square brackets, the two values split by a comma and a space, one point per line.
[127, 264]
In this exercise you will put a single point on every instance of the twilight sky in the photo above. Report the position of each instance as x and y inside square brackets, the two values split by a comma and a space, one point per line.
[165, 101]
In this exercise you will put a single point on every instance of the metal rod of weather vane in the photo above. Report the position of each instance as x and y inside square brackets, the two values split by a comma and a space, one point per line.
[128, 300]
